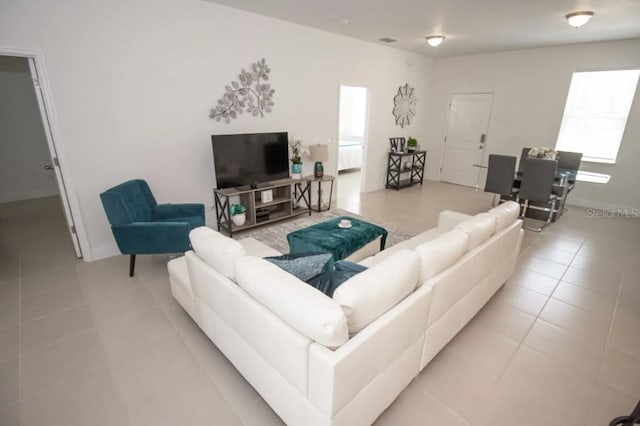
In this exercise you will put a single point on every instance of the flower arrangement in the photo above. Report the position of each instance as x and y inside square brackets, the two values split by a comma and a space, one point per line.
[542, 152]
[296, 151]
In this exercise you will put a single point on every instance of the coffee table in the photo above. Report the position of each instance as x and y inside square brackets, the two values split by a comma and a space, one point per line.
[328, 237]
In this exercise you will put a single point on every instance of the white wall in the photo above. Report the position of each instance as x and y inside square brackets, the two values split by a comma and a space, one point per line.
[133, 82]
[23, 146]
[530, 89]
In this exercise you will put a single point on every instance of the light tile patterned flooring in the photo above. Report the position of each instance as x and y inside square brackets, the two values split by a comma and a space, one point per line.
[84, 344]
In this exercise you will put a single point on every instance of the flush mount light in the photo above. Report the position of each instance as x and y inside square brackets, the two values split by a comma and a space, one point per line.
[578, 19]
[435, 40]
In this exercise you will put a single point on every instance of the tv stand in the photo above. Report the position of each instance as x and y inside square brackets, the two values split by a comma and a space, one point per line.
[255, 185]
[291, 197]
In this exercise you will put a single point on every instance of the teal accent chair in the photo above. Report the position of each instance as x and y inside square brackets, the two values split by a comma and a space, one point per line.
[142, 226]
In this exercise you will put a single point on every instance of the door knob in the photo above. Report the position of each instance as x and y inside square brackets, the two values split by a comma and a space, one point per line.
[48, 167]
[481, 147]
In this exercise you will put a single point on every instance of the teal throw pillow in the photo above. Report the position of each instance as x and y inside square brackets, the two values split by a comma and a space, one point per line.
[346, 266]
[303, 265]
[328, 282]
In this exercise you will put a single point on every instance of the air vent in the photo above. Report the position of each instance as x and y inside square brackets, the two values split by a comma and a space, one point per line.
[388, 39]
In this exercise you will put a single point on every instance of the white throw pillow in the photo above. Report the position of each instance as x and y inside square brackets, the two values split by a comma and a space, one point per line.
[505, 214]
[373, 292]
[438, 254]
[301, 306]
[478, 228]
[217, 250]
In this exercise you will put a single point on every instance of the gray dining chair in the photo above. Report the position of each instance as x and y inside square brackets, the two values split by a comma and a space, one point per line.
[500, 178]
[524, 154]
[568, 160]
[536, 186]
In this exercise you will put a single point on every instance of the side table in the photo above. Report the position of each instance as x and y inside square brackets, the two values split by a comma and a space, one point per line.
[325, 178]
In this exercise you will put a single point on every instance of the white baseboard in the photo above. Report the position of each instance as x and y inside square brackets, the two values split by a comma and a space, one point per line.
[102, 253]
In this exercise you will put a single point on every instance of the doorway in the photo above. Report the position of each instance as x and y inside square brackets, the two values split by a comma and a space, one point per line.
[465, 138]
[30, 163]
[352, 140]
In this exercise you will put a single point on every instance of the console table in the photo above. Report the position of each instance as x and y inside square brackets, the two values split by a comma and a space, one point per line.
[290, 197]
[405, 168]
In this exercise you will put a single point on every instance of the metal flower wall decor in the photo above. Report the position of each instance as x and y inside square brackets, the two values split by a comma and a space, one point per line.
[251, 94]
[404, 105]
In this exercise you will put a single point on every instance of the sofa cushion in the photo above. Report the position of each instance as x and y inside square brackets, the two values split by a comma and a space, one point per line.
[303, 265]
[478, 228]
[301, 306]
[505, 214]
[217, 250]
[438, 254]
[448, 219]
[371, 293]
[409, 244]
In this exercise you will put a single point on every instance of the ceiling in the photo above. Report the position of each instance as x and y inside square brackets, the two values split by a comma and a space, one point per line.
[470, 26]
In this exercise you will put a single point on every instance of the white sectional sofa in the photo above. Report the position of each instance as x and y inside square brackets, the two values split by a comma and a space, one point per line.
[318, 360]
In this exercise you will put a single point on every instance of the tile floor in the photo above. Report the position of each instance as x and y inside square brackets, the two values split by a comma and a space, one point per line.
[84, 344]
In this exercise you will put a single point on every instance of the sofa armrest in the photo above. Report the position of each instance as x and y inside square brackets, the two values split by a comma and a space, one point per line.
[152, 237]
[447, 219]
[168, 211]
[336, 377]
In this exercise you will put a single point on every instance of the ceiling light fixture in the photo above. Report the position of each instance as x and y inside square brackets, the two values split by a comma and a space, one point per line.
[578, 19]
[435, 40]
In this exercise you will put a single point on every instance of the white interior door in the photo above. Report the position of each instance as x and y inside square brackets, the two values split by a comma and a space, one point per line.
[54, 158]
[465, 137]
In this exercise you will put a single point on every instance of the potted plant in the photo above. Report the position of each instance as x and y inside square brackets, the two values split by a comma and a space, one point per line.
[238, 214]
[296, 158]
[412, 144]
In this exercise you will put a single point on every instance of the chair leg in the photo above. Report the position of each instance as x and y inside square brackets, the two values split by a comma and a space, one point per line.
[544, 225]
[132, 264]
[524, 209]
[553, 209]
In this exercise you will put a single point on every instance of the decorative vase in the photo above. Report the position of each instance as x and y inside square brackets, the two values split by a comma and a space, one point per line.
[239, 219]
[318, 169]
[296, 170]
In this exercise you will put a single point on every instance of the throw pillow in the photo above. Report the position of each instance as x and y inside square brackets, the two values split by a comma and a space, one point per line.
[328, 282]
[346, 266]
[303, 265]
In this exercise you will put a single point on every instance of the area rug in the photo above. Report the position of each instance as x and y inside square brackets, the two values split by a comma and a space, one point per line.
[275, 235]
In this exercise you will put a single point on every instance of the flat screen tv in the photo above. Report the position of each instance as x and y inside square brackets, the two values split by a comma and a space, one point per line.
[250, 160]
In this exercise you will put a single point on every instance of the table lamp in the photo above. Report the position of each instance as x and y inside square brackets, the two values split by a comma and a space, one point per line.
[319, 153]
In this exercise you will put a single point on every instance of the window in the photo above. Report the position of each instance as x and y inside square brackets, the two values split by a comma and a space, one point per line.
[596, 113]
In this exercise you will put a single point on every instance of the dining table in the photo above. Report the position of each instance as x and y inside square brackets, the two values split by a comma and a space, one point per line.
[564, 183]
